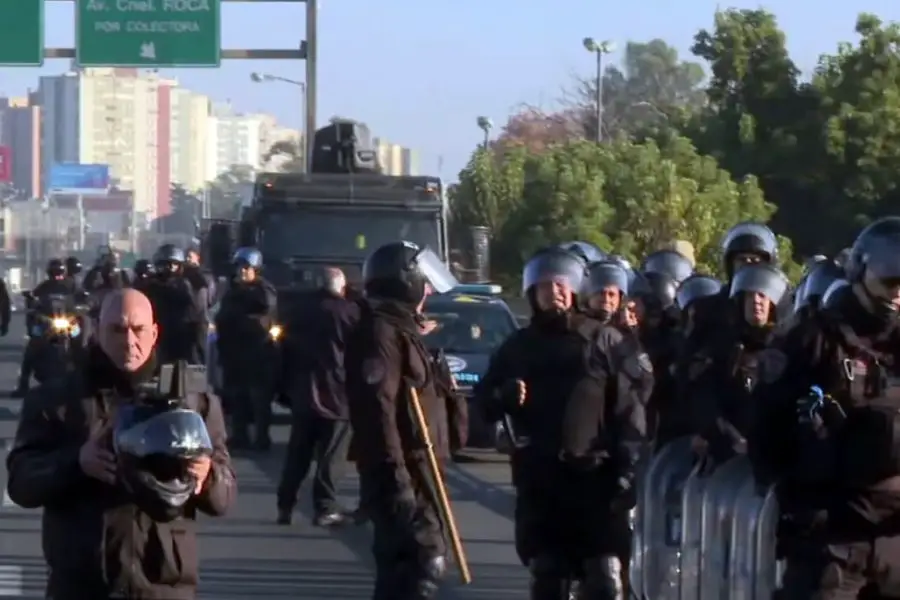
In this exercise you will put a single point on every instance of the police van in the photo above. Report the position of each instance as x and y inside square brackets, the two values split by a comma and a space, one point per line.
[471, 321]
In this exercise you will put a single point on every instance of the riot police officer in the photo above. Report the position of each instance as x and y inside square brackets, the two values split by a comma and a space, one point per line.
[385, 360]
[74, 269]
[179, 311]
[55, 285]
[725, 372]
[605, 290]
[573, 391]
[143, 271]
[247, 349]
[745, 243]
[808, 296]
[827, 431]
[105, 274]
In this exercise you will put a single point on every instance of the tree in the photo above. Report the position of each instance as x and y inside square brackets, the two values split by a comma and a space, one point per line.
[624, 196]
[229, 190]
[286, 156]
[828, 147]
[185, 215]
[653, 91]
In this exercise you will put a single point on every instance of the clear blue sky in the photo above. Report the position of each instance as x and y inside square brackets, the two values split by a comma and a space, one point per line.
[420, 71]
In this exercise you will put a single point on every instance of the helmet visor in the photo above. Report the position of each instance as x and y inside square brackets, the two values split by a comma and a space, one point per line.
[176, 433]
[435, 271]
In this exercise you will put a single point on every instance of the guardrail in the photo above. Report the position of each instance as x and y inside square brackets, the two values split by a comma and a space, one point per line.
[703, 533]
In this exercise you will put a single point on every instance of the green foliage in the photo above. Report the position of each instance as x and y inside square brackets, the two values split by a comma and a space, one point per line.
[818, 158]
[628, 197]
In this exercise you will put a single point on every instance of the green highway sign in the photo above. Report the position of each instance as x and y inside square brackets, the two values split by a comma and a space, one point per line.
[21, 33]
[148, 33]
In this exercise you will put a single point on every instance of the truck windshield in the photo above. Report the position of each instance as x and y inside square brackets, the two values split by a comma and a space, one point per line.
[345, 233]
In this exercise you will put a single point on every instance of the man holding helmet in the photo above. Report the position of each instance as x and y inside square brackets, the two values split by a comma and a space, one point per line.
[121, 466]
[384, 358]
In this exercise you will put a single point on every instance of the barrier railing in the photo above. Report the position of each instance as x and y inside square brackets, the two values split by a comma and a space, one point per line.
[702, 533]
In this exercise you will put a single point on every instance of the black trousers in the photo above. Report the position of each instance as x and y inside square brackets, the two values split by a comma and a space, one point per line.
[325, 441]
[250, 404]
[406, 539]
[843, 571]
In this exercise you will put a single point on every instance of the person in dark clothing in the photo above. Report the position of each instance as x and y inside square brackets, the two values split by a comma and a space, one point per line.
[723, 375]
[573, 390]
[827, 431]
[320, 429]
[55, 285]
[98, 542]
[74, 268]
[143, 270]
[743, 244]
[181, 311]
[106, 274]
[5, 308]
[247, 338]
[385, 359]
[203, 289]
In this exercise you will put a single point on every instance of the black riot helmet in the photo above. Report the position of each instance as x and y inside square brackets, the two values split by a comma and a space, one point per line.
[659, 291]
[168, 259]
[143, 268]
[668, 262]
[603, 275]
[816, 283]
[73, 266]
[833, 293]
[877, 248]
[586, 251]
[154, 444]
[694, 288]
[761, 279]
[749, 238]
[56, 268]
[401, 271]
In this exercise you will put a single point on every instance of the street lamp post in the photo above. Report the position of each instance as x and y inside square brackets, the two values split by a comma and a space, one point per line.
[267, 78]
[485, 124]
[599, 49]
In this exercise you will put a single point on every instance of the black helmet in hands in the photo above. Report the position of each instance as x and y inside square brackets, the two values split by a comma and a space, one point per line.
[155, 444]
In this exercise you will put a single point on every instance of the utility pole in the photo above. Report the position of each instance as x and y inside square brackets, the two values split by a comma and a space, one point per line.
[312, 53]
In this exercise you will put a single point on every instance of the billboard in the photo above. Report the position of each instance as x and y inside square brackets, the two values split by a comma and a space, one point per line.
[73, 178]
[5, 164]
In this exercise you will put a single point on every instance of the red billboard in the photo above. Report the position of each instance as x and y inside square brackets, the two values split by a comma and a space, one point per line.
[5, 164]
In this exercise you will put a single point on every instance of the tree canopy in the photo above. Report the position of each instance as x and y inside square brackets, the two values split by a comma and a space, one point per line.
[687, 154]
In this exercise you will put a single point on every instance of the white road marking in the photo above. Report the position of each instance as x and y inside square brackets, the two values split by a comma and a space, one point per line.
[11, 581]
[7, 502]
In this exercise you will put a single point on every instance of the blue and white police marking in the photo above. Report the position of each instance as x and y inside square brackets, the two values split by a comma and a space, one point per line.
[456, 364]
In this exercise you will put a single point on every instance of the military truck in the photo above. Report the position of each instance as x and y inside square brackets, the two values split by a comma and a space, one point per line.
[335, 215]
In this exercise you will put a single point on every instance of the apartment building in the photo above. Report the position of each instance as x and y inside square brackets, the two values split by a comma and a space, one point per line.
[20, 131]
[190, 131]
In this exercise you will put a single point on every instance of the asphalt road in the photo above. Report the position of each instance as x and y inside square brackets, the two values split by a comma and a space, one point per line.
[245, 555]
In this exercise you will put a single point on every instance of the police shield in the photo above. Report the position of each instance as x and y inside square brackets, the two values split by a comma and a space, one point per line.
[554, 265]
[604, 275]
[696, 287]
[435, 271]
[762, 279]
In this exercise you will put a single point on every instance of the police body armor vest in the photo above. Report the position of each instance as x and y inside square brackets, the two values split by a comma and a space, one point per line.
[866, 385]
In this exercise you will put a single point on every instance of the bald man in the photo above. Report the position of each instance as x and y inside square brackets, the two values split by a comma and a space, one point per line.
[98, 538]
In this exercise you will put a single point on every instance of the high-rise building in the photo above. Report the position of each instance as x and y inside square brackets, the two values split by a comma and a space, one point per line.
[20, 131]
[118, 117]
[237, 140]
[190, 129]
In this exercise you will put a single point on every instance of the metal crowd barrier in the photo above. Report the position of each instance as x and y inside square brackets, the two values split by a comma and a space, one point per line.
[702, 533]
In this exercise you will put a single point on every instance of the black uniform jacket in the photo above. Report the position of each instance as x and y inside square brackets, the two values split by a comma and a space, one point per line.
[96, 542]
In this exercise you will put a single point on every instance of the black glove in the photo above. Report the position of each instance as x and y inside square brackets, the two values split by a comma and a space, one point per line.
[820, 411]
